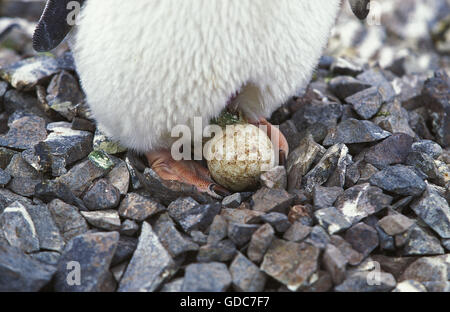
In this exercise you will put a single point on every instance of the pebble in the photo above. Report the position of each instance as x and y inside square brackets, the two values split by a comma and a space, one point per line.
[222, 251]
[108, 220]
[391, 151]
[275, 178]
[332, 220]
[325, 197]
[335, 263]
[363, 238]
[400, 180]
[138, 208]
[240, 234]
[367, 102]
[297, 232]
[24, 133]
[260, 242]
[421, 243]
[395, 224]
[272, 200]
[206, 277]
[102, 195]
[278, 221]
[358, 282]
[246, 276]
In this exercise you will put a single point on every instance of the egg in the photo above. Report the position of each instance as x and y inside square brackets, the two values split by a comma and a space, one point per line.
[238, 155]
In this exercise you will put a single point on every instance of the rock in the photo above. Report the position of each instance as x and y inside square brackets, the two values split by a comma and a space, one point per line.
[290, 263]
[272, 200]
[434, 211]
[174, 242]
[50, 190]
[64, 94]
[302, 214]
[342, 66]
[391, 151]
[47, 257]
[425, 163]
[278, 220]
[222, 251]
[421, 243]
[301, 159]
[446, 244]
[129, 227]
[275, 178]
[334, 159]
[318, 237]
[315, 117]
[5, 177]
[400, 180]
[150, 266]
[232, 201]
[240, 234]
[16, 102]
[81, 176]
[19, 272]
[353, 257]
[246, 276]
[7, 198]
[24, 133]
[363, 238]
[218, 229]
[361, 201]
[105, 219]
[199, 238]
[352, 131]
[119, 176]
[244, 216]
[395, 224]
[83, 125]
[332, 220]
[366, 103]
[345, 86]
[101, 160]
[103, 143]
[260, 242]
[101, 196]
[359, 282]
[139, 208]
[191, 216]
[206, 277]
[409, 286]
[175, 286]
[5, 157]
[426, 269]
[427, 147]
[335, 263]
[394, 118]
[125, 249]
[387, 242]
[46, 229]
[297, 232]
[325, 197]
[91, 253]
[324, 283]
[18, 228]
[378, 79]
[24, 177]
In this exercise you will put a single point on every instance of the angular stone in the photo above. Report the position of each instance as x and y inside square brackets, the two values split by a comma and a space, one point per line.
[150, 266]
[82, 124]
[125, 249]
[377, 79]
[366, 103]
[335, 263]
[400, 180]
[222, 251]
[352, 131]
[5, 177]
[279, 221]
[260, 242]
[101, 196]
[24, 133]
[391, 151]
[64, 94]
[395, 224]
[240, 234]
[297, 232]
[244, 216]
[206, 277]
[19, 272]
[138, 208]
[325, 197]
[7, 198]
[119, 176]
[353, 257]
[129, 227]
[410, 286]
[360, 201]
[218, 229]
[174, 286]
[175, 242]
[103, 143]
[358, 282]
[345, 86]
[108, 220]
[332, 220]
[91, 253]
[191, 216]
[275, 178]
[425, 163]
[232, 201]
[246, 276]
[426, 269]
[434, 210]
[318, 237]
[394, 118]
[50, 190]
[47, 257]
[18, 228]
[5, 157]
[302, 214]
[290, 263]
[421, 243]
[342, 66]
[427, 147]
[363, 238]
[272, 200]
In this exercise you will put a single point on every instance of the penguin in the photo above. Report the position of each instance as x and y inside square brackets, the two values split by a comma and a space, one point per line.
[147, 66]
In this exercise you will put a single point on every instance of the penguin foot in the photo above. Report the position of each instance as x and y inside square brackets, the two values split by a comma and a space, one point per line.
[277, 138]
[185, 171]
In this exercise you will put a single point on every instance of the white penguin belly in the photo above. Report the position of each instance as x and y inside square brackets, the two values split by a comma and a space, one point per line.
[149, 65]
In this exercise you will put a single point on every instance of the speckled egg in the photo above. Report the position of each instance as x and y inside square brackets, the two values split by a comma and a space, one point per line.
[237, 156]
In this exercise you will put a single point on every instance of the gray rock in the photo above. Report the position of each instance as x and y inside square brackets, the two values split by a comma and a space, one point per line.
[129, 227]
[5, 157]
[174, 242]
[232, 201]
[47, 257]
[119, 176]
[5, 177]
[388, 242]
[278, 220]
[7, 198]
[174, 286]
[426, 269]
[19, 272]
[359, 282]
[325, 197]
[275, 178]
[395, 224]
[391, 151]
[218, 229]
[335, 263]
[434, 210]
[394, 118]
[363, 238]
[191, 216]
[400, 180]
[352, 131]
[427, 147]
[150, 266]
[272, 200]
[82, 124]
[346, 67]
[101, 196]
[50, 189]
[108, 220]
[222, 251]
[18, 228]
[318, 237]
[425, 163]
[353, 257]
[409, 286]
[378, 79]
[23, 103]
[64, 94]
[139, 208]
[441, 287]
[206, 277]
[24, 133]
[297, 232]
[421, 243]
[92, 254]
[240, 234]
[332, 220]
[290, 263]
[345, 86]
[260, 243]
[103, 143]
[360, 201]
[366, 103]
[446, 244]
[244, 216]
[246, 276]
[125, 249]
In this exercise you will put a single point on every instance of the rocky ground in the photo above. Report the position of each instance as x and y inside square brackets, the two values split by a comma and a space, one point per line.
[363, 204]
